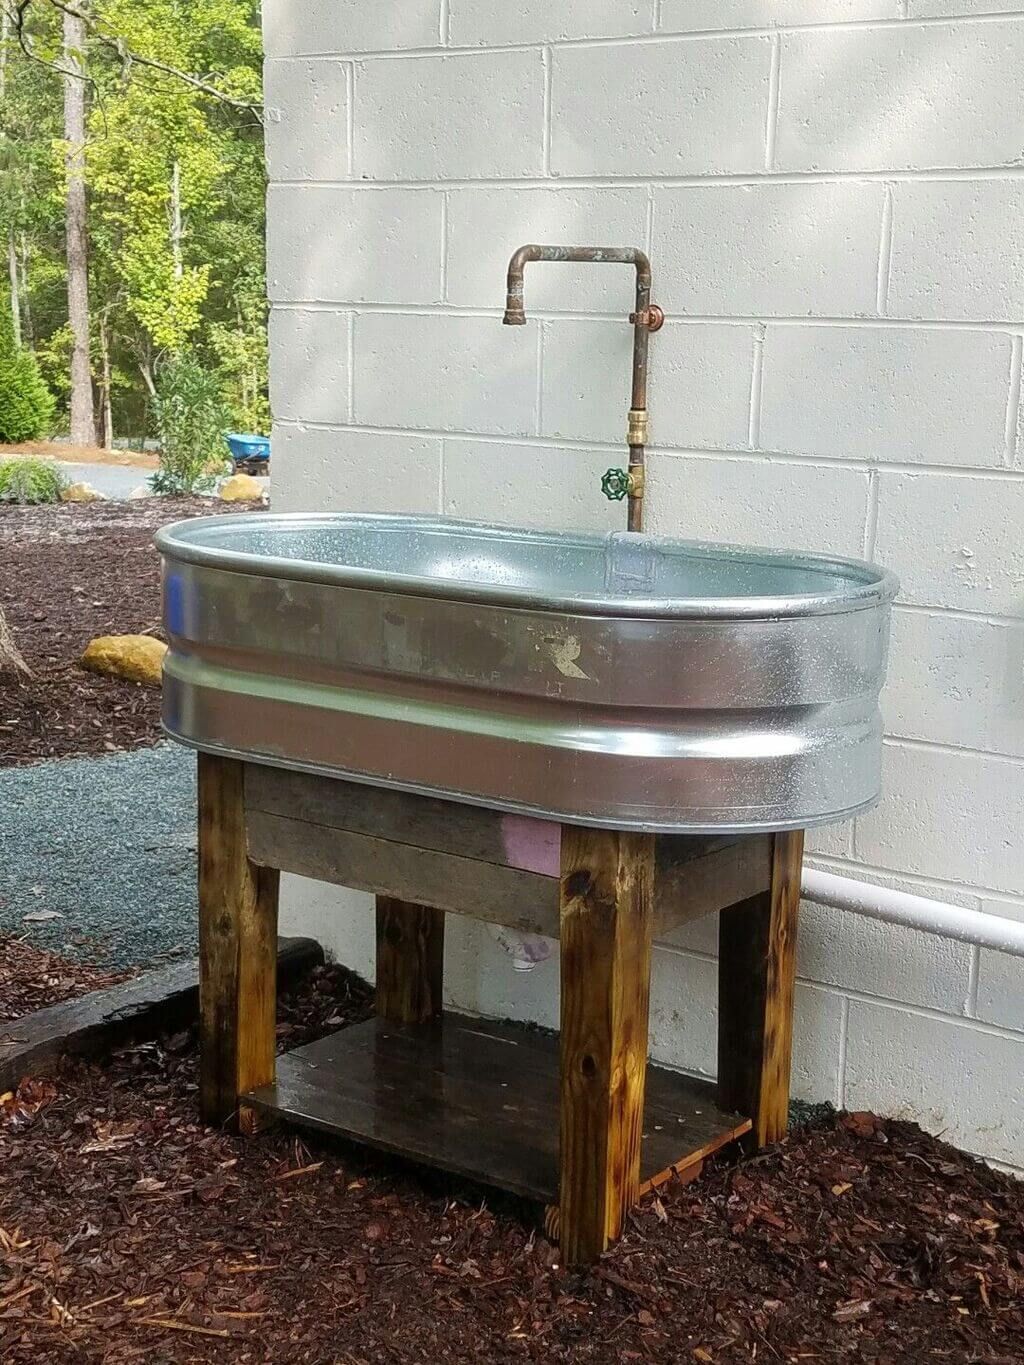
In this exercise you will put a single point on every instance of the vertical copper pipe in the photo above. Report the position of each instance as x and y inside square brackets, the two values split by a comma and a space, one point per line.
[646, 318]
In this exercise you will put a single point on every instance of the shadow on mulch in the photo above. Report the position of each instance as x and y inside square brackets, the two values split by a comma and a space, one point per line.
[129, 1231]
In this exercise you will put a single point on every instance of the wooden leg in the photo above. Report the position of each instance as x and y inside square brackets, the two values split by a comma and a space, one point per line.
[410, 961]
[607, 890]
[237, 949]
[756, 974]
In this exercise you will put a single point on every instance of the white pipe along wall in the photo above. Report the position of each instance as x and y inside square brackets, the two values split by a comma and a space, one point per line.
[831, 198]
[996, 932]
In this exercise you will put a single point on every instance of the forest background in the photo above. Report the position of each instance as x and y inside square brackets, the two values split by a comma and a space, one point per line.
[132, 207]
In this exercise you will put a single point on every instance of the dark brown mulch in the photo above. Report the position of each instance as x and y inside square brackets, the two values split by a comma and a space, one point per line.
[69, 573]
[32, 978]
[128, 1232]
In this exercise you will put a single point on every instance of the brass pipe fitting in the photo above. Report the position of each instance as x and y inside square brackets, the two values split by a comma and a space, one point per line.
[645, 318]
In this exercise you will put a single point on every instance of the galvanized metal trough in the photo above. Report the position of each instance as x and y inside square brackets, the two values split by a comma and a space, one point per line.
[625, 680]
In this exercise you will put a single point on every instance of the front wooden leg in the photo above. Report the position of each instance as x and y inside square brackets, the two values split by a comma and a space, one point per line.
[607, 885]
[410, 961]
[756, 979]
[237, 950]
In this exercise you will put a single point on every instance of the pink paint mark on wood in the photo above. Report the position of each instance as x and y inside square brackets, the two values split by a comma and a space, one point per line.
[532, 845]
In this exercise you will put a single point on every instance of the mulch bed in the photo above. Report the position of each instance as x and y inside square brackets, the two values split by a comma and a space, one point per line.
[32, 978]
[69, 573]
[129, 1232]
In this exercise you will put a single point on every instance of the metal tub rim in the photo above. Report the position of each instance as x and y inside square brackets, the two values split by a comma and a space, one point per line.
[867, 585]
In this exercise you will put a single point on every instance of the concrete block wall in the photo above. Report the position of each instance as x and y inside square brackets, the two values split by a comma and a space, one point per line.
[832, 192]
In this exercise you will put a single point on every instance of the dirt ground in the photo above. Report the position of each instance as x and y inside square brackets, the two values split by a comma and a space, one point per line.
[128, 1232]
[72, 454]
[68, 573]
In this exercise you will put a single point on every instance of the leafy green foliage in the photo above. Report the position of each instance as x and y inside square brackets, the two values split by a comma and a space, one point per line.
[30, 481]
[192, 417]
[176, 202]
[26, 404]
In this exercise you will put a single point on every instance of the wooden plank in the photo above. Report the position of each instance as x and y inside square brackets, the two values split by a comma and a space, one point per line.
[692, 878]
[237, 949]
[476, 832]
[606, 926]
[757, 972]
[501, 839]
[500, 895]
[689, 883]
[157, 1002]
[410, 961]
[476, 1098]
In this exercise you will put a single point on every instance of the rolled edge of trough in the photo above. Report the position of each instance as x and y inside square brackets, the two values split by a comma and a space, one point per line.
[156, 1002]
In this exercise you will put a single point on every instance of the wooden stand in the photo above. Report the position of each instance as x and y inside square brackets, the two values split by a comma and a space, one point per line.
[472, 1097]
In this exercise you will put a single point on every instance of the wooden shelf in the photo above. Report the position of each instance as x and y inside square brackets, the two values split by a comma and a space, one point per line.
[478, 1099]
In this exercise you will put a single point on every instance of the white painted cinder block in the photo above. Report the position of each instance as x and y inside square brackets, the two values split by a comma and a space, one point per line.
[768, 250]
[957, 680]
[315, 470]
[699, 383]
[950, 1077]
[307, 112]
[310, 379]
[449, 117]
[756, 501]
[954, 540]
[684, 1025]
[540, 21]
[929, 96]
[1001, 989]
[606, 121]
[445, 372]
[958, 250]
[849, 951]
[303, 26]
[690, 16]
[923, 9]
[852, 314]
[528, 485]
[953, 816]
[330, 244]
[486, 224]
[886, 393]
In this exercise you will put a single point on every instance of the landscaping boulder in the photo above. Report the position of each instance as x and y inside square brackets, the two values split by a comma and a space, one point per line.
[139, 658]
[81, 492]
[241, 488]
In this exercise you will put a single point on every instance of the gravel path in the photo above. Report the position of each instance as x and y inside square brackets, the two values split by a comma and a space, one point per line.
[108, 846]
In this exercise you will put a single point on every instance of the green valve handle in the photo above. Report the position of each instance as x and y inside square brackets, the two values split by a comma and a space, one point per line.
[615, 484]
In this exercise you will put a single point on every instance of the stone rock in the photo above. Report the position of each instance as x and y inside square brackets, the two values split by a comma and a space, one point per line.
[139, 658]
[241, 488]
[81, 492]
[140, 491]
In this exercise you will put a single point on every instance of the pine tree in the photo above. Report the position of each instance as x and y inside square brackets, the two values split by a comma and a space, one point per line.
[26, 404]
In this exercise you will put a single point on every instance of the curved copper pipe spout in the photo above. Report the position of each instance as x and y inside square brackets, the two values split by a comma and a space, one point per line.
[645, 318]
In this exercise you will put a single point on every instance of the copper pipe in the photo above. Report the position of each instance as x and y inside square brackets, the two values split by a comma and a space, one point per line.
[646, 318]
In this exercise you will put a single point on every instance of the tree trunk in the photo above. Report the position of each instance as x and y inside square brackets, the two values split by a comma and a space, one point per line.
[82, 419]
[107, 410]
[26, 302]
[12, 270]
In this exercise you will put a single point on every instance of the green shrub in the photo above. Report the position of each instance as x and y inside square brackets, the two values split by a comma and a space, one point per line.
[191, 418]
[26, 404]
[30, 481]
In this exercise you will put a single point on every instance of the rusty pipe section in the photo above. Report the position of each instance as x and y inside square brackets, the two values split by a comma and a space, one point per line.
[645, 319]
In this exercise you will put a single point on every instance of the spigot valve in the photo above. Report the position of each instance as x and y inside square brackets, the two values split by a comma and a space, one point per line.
[616, 484]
